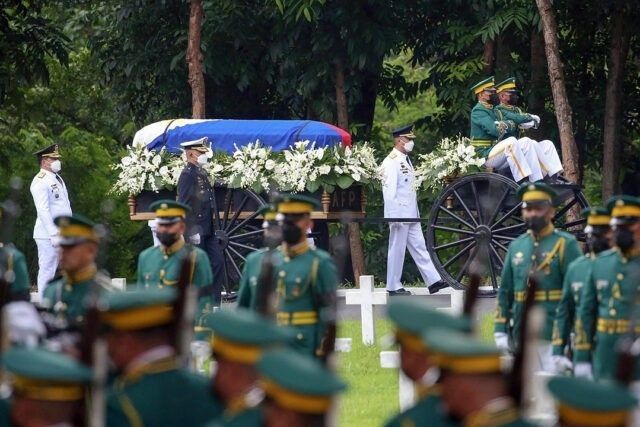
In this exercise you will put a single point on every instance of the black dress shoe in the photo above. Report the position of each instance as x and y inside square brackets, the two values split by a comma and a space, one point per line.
[401, 291]
[435, 287]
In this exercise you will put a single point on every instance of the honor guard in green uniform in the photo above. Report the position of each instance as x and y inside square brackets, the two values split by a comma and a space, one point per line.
[13, 266]
[584, 403]
[65, 296]
[543, 251]
[578, 274]
[254, 265]
[488, 132]
[160, 266]
[411, 317]
[305, 278]
[239, 339]
[150, 388]
[48, 389]
[474, 390]
[611, 295]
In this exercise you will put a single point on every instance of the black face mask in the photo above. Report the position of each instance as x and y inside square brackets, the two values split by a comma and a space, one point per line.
[494, 100]
[624, 239]
[513, 99]
[167, 239]
[536, 223]
[597, 243]
[291, 234]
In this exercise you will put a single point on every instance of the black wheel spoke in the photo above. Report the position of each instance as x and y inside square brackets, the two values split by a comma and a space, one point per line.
[451, 229]
[497, 255]
[459, 254]
[228, 202]
[492, 271]
[237, 212]
[573, 223]
[566, 208]
[465, 266]
[451, 244]
[243, 236]
[240, 245]
[462, 221]
[233, 262]
[466, 209]
[507, 215]
[500, 237]
[477, 201]
[500, 245]
[498, 206]
[514, 227]
[243, 222]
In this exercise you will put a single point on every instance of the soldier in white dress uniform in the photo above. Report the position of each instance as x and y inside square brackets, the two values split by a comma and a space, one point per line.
[400, 201]
[52, 200]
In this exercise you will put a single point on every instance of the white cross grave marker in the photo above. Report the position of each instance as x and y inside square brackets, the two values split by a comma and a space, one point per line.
[366, 297]
[406, 389]
[119, 283]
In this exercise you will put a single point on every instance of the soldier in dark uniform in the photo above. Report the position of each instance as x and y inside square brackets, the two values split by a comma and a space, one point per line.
[195, 190]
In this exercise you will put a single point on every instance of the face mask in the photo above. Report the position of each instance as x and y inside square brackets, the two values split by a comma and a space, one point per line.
[167, 239]
[291, 234]
[536, 223]
[624, 239]
[272, 235]
[202, 159]
[408, 146]
[56, 166]
[597, 243]
[513, 99]
[494, 100]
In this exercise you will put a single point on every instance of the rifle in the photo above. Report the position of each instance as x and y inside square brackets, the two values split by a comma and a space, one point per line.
[184, 309]
[471, 294]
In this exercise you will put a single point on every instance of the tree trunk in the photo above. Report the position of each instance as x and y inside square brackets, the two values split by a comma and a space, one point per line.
[194, 60]
[488, 56]
[537, 84]
[355, 243]
[559, 90]
[618, 53]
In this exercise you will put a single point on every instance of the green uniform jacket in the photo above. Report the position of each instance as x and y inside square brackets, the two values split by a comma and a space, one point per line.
[66, 298]
[5, 412]
[161, 395]
[251, 417]
[249, 279]
[514, 114]
[574, 281]
[552, 253]
[605, 311]
[484, 129]
[427, 411]
[159, 267]
[16, 262]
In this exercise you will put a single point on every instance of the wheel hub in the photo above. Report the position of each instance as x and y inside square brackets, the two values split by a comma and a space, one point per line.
[223, 238]
[482, 233]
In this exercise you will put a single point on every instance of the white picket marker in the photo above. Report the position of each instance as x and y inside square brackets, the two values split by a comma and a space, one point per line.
[457, 302]
[406, 388]
[343, 345]
[119, 283]
[366, 298]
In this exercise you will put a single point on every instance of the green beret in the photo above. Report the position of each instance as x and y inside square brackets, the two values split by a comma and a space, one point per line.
[241, 335]
[624, 209]
[296, 204]
[44, 375]
[536, 192]
[298, 382]
[75, 229]
[461, 352]
[169, 211]
[588, 403]
[139, 309]
[485, 84]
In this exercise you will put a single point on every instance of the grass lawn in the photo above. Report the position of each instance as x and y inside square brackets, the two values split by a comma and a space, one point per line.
[372, 396]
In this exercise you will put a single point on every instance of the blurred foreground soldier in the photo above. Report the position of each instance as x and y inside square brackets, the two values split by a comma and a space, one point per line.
[410, 318]
[584, 403]
[240, 337]
[195, 191]
[546, 152]
[150, 389]
[544, 252]
[254, 266]
[51, 200]
[65, 297]
[48, 389]
[578, 275]
[400, 201]
[160, 266]
[609, 304]
[13, 267]
[474, 390]
[306, 279]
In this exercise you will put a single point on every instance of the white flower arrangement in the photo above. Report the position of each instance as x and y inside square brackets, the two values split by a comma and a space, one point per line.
[143, 169]
[451, 158]
[250, 167]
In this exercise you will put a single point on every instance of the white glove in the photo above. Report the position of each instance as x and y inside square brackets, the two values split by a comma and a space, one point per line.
[562, 364]
[502, 341]
[583, 370]
[55, 240]
[527, 125]
[25, 326]
[535, 119]
[195, 239]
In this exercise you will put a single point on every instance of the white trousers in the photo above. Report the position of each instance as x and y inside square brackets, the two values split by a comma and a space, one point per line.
[520, 155]
[545, 361]
[403, 235]
[47, 263]
[547, 156]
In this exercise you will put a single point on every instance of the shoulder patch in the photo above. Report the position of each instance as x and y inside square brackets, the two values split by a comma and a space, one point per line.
[392, 155]
[41, 175]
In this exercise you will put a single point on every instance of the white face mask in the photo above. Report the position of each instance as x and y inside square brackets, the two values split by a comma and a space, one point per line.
[56, 166]
[202, 159]
[408, 146]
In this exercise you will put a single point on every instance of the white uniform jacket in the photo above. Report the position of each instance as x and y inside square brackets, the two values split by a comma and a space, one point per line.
[400, 199]
[52, 200]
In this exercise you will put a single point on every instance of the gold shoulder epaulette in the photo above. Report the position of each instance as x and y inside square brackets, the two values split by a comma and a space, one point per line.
[392, 155]
[41, 175]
